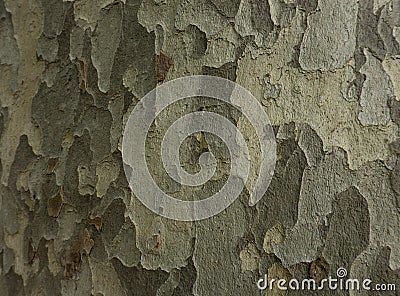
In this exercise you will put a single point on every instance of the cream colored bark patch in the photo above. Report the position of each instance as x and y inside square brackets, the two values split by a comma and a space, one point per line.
[314, 98]
[392, 68]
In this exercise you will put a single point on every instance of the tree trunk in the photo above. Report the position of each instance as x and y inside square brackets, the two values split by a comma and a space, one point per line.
[327, 75]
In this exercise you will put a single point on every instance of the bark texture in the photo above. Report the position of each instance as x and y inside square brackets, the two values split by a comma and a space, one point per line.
[327, 73]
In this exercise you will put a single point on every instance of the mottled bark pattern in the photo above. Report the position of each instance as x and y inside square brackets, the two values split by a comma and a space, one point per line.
[327, 73]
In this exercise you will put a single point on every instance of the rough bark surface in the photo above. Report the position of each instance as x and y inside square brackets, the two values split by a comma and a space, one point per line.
[327, 73]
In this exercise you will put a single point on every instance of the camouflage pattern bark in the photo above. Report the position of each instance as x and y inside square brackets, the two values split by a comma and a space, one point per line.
[328, 75]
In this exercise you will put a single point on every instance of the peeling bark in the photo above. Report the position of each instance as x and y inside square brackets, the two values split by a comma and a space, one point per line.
[327, 74]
